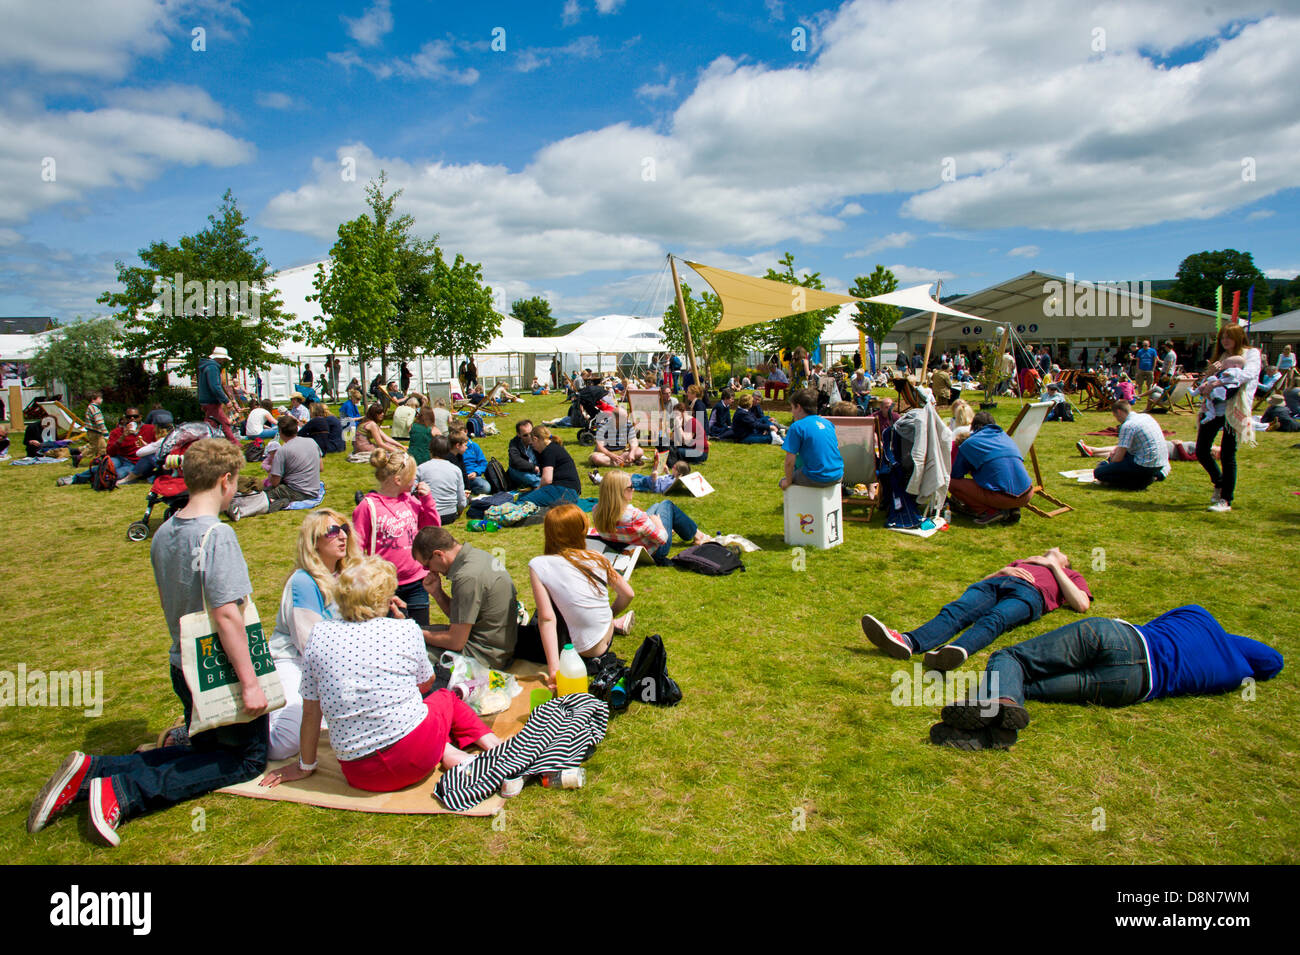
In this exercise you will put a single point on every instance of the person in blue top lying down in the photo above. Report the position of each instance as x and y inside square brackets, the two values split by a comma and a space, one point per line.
[1182, 652]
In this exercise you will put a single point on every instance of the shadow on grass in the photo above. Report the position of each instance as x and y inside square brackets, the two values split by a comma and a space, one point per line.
[118, 737]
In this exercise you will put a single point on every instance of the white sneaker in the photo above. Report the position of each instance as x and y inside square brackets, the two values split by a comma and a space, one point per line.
[512, 787]
[1220, 507]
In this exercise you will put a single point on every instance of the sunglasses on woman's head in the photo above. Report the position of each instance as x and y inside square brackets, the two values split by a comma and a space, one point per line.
[334, 530]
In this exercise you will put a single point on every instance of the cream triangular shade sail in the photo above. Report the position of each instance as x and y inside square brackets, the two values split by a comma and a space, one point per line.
[916, 297]
[747, 300]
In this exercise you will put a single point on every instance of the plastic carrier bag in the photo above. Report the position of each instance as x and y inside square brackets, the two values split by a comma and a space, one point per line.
[487, 691]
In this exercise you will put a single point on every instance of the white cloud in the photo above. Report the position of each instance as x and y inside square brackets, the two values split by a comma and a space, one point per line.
[97, 149]
[657, 90]
[1290, 273]
[572, 12]
[277, 100]
[895, 240]
[41, 280]
[428, 64]
[1043, 132]
[172, 100]
[608, 6]
[775, 9]
[914, 275]
[372, 26]
[851, 209]
[1024, 251]
[1259, 214]
[581, 48]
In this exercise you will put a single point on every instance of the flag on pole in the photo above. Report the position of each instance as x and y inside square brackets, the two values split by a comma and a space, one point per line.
[1250, 305]
[1218, 308]
[871, 353]
[862, 350]
[1236, 306]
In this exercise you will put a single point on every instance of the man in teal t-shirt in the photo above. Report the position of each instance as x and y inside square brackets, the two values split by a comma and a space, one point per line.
[812, 452]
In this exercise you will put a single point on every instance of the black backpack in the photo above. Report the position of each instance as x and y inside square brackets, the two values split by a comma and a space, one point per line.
[103, 473]
[647, 678]
[495, 475]
[710, 558]
[256, 451]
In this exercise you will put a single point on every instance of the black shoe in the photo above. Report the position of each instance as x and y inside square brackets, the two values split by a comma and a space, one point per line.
[973, 715]
[1013, 516]
[941, 734]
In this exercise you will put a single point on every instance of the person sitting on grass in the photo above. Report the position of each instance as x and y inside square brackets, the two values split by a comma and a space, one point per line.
[750, 426]
[325, 429]
[260, 422]
[1019, 593]
[962, 416]
[371, 436]
[1141, 454]
[559, 474]
[197, 567]
[483, 608]
[616, 441]
[369, 675]
[720, 417]
[1182, 652]
[294, 475]
[812, 452]
[404, 417]
[688, 440]
[469, 457]
[446, 481]
[1278, 416]
[615, 519]
[1060, 410]
[571, 588]
[326, 546]
[523, 470]
[999, 485]
[147, 464]
[422, 431]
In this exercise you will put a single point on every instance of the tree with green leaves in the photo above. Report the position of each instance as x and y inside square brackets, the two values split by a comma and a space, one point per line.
[873, 319]
[210, 289]
[359, 293]
[81, 355]
[1203, 272]
[463, 317]
[703, 315]
[535, 313]
[795, 330]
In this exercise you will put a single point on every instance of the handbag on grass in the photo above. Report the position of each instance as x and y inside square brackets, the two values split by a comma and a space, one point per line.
[214, 687]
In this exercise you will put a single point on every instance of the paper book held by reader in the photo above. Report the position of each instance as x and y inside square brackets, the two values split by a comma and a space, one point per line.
[624, 559]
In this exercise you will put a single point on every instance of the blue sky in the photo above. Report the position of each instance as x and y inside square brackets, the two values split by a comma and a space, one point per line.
[967, 142]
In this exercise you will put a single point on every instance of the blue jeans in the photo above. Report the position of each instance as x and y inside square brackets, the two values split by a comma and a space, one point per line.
[417, 601]
[478, 485]
[674, 520]
[1126, 474]
[547, 495]
[1226, 479]
[122, 466]
[523, 479]
[1089, 661]
[989, 607]
[145, 782]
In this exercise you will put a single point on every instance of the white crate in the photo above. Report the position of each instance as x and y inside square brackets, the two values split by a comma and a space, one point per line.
[814, 517]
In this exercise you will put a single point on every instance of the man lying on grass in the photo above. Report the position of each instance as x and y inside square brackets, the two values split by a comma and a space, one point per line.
[1020, 592]
[1181, 652]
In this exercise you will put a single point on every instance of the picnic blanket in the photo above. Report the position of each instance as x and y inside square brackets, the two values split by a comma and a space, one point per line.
[309, 503]
[327, 788]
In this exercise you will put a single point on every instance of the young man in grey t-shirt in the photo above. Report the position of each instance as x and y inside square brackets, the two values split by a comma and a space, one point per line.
[194, 557]
[295, 475]
[483, 608]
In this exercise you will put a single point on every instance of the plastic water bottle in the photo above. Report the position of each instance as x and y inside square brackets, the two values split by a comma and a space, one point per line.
[947, 514]
[572, 675]
[574, 778]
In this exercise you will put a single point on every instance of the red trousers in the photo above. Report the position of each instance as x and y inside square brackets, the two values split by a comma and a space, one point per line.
[217, 413]
[417, 754]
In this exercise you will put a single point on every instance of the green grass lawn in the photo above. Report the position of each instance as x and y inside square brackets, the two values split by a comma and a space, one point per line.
[787, 714]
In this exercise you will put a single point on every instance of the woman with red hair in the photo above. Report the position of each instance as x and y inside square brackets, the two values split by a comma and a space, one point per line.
[571, 587]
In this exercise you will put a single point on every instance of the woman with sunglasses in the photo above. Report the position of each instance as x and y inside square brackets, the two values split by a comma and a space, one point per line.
[617, 521]
[325, 547]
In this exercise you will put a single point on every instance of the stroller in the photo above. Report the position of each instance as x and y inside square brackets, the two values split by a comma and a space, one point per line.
[587, 414]
[169, 487]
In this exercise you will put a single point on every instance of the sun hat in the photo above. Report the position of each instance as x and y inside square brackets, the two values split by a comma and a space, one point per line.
[220, 354]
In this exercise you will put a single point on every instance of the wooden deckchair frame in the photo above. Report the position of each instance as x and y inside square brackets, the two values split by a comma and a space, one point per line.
[858, 442]
[1032, 453]
[61, 414]
[1182, 392]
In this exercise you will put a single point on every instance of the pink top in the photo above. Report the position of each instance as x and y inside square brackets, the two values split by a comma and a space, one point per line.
[398, 520]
